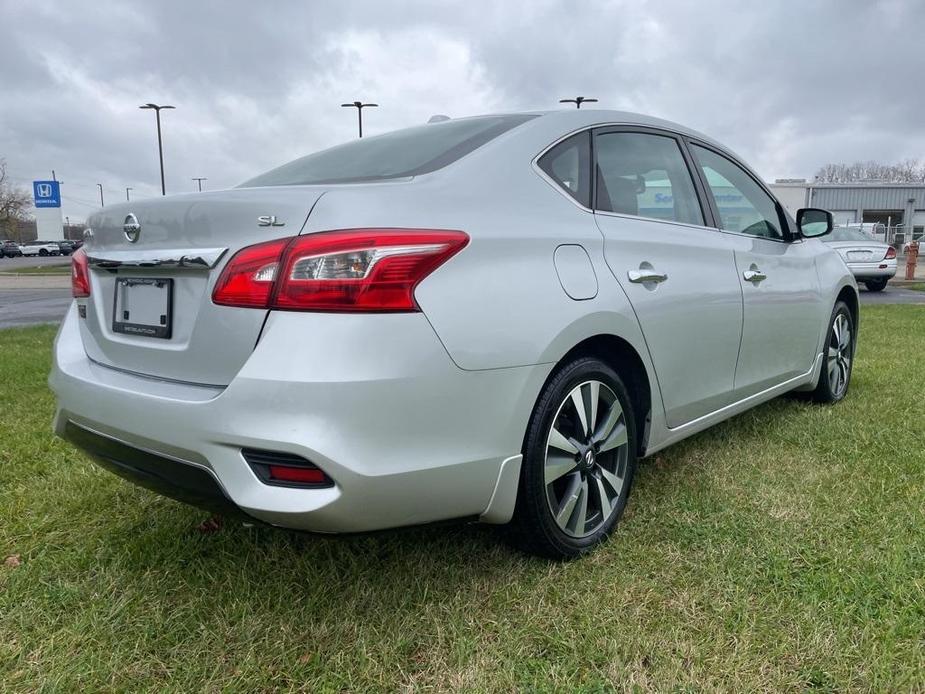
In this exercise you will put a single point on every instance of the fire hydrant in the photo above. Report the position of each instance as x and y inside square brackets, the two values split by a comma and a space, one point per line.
[912, 255]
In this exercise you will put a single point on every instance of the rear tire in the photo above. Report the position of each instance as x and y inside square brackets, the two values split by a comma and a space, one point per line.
[875, 285]
[838, 358]
[578, 464]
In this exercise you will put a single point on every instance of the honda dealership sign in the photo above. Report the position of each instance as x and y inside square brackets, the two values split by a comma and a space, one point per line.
[46, 193]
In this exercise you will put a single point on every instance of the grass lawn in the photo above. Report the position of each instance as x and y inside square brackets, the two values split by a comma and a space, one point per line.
[783, 550]
[37, 270]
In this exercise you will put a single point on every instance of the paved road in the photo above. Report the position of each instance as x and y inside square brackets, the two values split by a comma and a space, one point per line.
[32, 306]
[14, 264]
[892, 295]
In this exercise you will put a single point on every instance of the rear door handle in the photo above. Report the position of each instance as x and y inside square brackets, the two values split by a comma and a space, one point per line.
[754, 275]
[640, 276]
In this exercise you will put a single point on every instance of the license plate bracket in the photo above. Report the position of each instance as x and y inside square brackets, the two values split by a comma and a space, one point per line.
[143, 306]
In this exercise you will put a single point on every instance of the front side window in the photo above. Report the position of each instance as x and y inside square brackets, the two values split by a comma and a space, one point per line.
[646, 176]
[743, 205]
[569, 165]
[399, 154]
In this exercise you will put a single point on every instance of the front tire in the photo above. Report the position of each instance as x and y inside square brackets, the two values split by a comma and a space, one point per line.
[43, 252]
[578, 464]
[877, 285]
[838, 359]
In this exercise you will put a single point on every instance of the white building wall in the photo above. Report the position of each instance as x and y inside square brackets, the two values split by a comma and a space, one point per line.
[49, 224]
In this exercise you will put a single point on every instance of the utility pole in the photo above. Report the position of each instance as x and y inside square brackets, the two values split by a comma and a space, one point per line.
[160, 147]
[199, 180]
[359, 106]
[126, 193]
[100, 186]
[578, 101]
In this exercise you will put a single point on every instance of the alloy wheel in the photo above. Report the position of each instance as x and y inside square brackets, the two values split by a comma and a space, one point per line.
[586, 459]
[839, 355]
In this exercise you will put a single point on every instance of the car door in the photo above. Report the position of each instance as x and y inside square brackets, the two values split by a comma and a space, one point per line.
[678, 272]
[777, 272]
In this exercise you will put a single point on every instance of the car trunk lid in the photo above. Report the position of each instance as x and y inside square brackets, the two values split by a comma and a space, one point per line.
[153, 264]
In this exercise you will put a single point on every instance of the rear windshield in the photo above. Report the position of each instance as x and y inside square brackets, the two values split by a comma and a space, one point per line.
[848, 234]
[398, 154]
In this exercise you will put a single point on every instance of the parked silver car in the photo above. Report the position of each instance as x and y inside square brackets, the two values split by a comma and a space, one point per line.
[870, 261]
[489, 318]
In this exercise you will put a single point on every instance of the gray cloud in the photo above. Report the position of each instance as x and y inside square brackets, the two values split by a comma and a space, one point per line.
[789, 85]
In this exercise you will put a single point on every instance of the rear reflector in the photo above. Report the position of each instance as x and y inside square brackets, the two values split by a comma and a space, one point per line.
[359, 270]
[80, 274]
[300, 475]
[285, 469]
[890, 253]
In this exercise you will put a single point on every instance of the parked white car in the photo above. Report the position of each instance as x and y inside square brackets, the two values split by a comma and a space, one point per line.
[40, 248]
[871, 262]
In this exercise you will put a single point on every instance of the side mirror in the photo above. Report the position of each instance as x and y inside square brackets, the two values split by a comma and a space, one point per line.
[814, 222]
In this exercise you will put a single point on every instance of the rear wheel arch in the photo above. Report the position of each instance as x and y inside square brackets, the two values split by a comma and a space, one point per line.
[623, 358]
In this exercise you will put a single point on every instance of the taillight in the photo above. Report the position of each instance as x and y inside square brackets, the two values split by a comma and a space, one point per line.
[248, 278]
[890, 253]
[352, 270]
[80, 275]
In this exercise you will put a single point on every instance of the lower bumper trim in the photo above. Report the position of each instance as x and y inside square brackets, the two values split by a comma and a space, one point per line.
[183, 482]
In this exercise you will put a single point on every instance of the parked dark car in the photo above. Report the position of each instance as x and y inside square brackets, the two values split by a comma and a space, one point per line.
[67, 247]
[8, 249]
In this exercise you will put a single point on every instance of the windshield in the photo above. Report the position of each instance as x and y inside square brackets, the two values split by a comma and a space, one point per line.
[399, 154]
[848, 234]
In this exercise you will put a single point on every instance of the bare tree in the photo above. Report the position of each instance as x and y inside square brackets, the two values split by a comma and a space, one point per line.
[15, 204]
[907, 171]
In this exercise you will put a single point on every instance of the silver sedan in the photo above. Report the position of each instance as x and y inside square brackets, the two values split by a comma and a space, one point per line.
[870, 261]
[491, 318]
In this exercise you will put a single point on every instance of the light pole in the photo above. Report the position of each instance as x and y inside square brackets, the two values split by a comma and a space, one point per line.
[100, 186]
[359, 106]
[199, 180]
[126, 193]
[578, 101]
[67, 226]
[160, 147]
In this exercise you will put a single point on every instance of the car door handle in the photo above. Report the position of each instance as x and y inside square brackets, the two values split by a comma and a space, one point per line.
[640, 276]
[754, 275]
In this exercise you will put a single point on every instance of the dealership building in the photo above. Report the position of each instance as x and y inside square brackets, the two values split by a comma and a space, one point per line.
[897, 206]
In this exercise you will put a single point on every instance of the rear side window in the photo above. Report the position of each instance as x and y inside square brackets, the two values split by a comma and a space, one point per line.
[569, 165]
[399, 154]
[646, 176]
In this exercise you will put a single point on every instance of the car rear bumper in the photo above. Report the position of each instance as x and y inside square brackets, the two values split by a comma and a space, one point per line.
[376, 403]
[878, 270]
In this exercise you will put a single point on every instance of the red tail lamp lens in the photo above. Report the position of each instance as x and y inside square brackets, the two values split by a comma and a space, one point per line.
[80, 274]
[357, 270]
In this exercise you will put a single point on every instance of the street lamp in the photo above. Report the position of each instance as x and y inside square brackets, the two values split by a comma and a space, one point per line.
[199, 180]
[126, 193]
[100, 186]
[160, 148]
[578, 101]
[359, 106]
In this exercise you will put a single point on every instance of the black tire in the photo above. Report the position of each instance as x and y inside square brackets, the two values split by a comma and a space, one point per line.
[877, 285]
[42, 251]
[833, 386]
[534, 527]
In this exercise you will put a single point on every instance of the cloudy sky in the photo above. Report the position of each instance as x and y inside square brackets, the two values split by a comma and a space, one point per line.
[790, 85]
